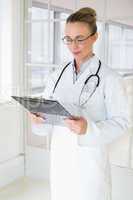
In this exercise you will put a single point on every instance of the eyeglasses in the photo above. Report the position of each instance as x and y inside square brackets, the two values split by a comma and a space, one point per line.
[78, 40]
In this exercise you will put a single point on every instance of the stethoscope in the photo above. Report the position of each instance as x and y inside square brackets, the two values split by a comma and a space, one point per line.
[94, 80]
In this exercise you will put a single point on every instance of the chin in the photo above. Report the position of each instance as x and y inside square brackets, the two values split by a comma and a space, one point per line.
[78, 57]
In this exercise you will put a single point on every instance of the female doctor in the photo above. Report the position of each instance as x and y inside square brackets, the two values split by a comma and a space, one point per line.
[95, 95]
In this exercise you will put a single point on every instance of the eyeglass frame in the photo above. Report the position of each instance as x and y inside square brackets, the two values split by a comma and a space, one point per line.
[76, 40]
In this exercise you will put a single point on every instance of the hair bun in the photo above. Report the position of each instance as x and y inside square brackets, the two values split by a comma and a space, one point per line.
[88, 11]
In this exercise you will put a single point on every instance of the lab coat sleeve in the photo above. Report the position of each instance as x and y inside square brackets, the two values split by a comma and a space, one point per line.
[117, 115]
[41, 129]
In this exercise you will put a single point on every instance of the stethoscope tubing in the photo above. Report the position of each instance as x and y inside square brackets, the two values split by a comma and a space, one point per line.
[86, 81]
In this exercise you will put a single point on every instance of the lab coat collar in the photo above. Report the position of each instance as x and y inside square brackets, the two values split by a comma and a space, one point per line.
[90, 64]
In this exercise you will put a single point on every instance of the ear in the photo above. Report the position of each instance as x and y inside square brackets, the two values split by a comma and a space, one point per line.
[94, 37]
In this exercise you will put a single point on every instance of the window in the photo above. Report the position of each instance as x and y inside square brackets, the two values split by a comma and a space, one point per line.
[120, 46]
[65, 55]
[45, 48]
[99, 45]
[128, 48]
[40, 36]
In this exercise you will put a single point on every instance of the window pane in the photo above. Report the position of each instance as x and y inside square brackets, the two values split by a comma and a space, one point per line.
[41, 39]
[120, 47]
[64, 15]
[114, 47]
[38, 78]
[39, 43]
[128, 48]
[98, 46]
[64, 53]
[39, 13]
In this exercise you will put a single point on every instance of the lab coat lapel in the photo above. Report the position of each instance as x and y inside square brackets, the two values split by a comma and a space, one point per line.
[91, 69]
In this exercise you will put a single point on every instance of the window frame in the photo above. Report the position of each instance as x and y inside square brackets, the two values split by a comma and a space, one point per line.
[123, 71]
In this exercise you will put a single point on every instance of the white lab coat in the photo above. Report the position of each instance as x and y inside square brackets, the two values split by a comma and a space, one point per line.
[79, 163]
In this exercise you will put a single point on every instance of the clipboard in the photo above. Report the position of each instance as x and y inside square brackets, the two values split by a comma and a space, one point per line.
[51, 110]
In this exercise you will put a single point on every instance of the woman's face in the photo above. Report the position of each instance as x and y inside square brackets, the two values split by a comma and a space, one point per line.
[75, 33]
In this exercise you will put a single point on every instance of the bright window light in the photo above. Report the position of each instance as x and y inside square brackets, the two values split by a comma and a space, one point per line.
[120, 46]
[6, 52]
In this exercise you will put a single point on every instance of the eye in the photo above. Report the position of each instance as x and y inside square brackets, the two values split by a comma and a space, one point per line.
[80, 38]
[67, 38]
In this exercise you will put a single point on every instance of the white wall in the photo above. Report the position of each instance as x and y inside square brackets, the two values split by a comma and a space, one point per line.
[6, 57]
[120, 9]
[11, 124]
[9, 132]
[37, 163]
[11, 159]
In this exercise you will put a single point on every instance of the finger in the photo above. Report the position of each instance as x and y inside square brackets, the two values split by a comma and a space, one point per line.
[69, 123]
[39, 119]
[36, 119]
[68, 120]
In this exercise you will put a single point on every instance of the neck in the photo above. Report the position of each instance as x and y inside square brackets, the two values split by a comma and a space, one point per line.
[78, 62]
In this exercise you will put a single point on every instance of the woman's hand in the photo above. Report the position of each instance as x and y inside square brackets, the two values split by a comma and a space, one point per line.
[77, 125]
[36, 118]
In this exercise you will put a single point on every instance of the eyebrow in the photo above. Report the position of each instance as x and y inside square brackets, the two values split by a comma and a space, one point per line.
[75, 36]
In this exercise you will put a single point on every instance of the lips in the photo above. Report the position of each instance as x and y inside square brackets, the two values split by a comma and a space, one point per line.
[76, 52]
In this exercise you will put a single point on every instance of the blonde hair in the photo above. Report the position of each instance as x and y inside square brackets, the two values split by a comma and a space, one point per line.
[85, 15]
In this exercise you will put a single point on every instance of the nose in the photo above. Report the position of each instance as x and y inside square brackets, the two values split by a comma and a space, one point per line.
[74, 44]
